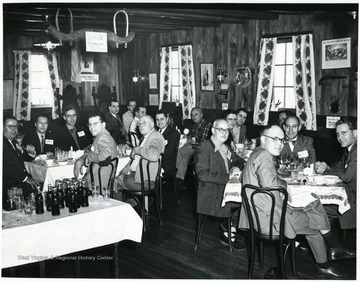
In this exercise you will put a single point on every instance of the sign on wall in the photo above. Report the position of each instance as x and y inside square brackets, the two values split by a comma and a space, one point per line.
[96, 42]
[336, 53]
[89, 77]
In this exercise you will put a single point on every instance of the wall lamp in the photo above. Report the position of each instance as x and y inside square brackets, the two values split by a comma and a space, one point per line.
[46, 40]
[137, 76]
[221, 74]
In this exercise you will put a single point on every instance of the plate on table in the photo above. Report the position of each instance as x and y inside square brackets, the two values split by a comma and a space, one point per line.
[62, 162]
[331, 179]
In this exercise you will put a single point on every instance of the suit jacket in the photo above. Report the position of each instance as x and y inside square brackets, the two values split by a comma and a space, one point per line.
[115, 128]
[302, 143]
[151, 149]
[102, 147]
[127, 118]
[260, 171]
[172, 137]
[348, 175]
[32, 138]
[212, 177]
[14, 171]
[64, 140]
[242, 136]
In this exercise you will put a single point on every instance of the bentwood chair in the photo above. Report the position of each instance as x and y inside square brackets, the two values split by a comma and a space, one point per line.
[265, 232]
[202, 218]
[148, 189]
[108, 162]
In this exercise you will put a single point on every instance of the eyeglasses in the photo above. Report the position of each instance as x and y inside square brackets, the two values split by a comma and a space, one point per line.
[276, 139]
[12, 126]
[71, 116]
[223, 130]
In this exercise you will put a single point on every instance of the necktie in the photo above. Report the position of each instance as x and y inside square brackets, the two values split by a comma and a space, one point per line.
[345, 157]
[160, 131]
[13, 142]
[42, 143]
[293, 142]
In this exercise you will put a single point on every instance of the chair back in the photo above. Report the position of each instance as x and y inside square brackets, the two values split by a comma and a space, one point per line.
[134, 139]
[147, 180]
[262, 225]
[112, 163]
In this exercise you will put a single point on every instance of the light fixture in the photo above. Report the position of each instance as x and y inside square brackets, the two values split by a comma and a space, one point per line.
[136, 76]
[222, 74]
[46, 40]
[353, 14]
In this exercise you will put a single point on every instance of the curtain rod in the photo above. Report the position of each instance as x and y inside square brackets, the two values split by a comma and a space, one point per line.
[175, 45]
[284, 35]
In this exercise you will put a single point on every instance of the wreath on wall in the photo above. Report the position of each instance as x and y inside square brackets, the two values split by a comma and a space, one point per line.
[242, 76]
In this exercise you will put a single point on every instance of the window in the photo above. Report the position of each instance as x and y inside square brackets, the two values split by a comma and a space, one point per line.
[41, 92]
[283, 88]
[175, 76]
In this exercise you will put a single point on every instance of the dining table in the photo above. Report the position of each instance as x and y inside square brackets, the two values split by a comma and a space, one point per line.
[43, 237]
[48, 174]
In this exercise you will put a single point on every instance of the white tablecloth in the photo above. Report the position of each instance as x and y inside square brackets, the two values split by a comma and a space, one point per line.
[43, 237]
[48, 174]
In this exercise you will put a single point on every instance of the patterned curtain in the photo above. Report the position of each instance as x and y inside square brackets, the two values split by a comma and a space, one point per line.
[304, 80]
[55, 82]
[266, 80]
[165, 75]
[187, 86]
[22, 102]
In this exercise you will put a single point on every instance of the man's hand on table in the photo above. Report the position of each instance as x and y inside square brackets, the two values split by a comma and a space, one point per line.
[32, 182]
[30, 149]
[320, 167]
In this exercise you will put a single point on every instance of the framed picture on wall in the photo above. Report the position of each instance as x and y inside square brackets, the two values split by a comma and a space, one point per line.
[207, 77]
[336, 53]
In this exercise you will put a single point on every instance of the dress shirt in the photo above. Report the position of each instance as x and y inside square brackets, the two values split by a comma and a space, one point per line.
[42, 141]
[201, 131]
[73, 134]
[292, 144]
[163, 130]
[223, 149]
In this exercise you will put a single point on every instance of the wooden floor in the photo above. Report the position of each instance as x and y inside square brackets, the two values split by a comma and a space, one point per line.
[168, 253]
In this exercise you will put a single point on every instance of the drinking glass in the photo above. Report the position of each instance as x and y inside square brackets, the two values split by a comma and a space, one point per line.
[294, 174]
[29, 207]
[95, 192]
[19, 203]
[106, 194]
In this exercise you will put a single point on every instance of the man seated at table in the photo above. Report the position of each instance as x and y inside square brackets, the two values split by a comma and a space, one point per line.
[239, 129]
[114, 124]
[297, 145]
[215, 163]
[128, 116]
[150, 148]
[345, 169]
[312, 222]
[40, 138]
[282, 115]
[172, 137]
[71, 134]
[14, 172]
[103, 149]
[135, 134]
[200, 132]
[230, 117]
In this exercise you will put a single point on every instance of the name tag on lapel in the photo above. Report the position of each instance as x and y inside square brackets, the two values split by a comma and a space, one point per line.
[81, 133]
[303, 154]
[49, 142]
[228, 155]
[92, 149]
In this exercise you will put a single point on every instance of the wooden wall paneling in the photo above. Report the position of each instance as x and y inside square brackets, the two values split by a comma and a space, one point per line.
[238, 48]
[254, 59]
[352, 100]
[220, 58]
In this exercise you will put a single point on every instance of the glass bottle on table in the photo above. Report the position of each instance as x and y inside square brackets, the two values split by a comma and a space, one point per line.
[39, 201]
[72, 199]
[61, 194]
[55, 209]
[49, 198]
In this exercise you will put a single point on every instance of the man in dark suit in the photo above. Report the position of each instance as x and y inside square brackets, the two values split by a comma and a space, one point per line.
[71, 134]
[14, 172]
[214, 163]
[239, 130]
[297, 145]
[40, 138]
[114, 124]
[172, 137]
[346, 132]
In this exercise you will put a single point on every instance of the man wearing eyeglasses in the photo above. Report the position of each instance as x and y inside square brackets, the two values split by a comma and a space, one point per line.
[215, 163]
[297, 145]
[103, 149]
[14, 172]
[312, 222]
[71, 134]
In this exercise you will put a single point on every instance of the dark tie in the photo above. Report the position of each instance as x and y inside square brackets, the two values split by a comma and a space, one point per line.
[13, 142]
[142, 139]
[346, 154]
[160, 131]
[42, 143]
[293, 142]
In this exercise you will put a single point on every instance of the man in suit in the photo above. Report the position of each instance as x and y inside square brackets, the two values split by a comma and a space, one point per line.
[239, 130]
[151, 147]
[135, 134]
[346, 169]
[40, 138]
[14, 172]
[103, 149]
[215, 163]
[230, 117]
[71, 134]
[199, 133]
[172, 137]
[128, 116]
[260, 171]
[114, 124]
[297, 145]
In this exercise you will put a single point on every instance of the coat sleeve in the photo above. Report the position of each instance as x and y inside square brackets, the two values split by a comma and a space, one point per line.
[348, 174]
[206, 169]
[103, 150]
[311, 150]
[157, 147]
